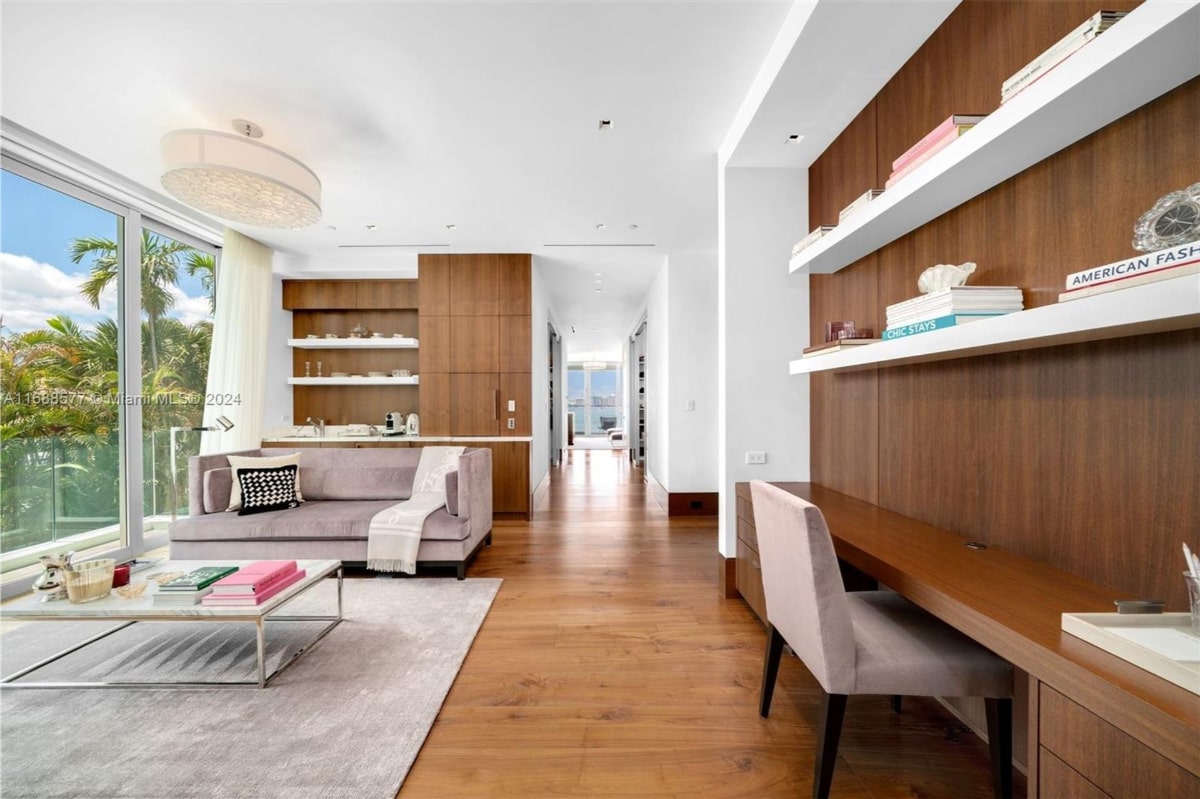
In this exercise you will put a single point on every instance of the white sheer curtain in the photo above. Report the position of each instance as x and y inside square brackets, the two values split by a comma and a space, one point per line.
[237, 367]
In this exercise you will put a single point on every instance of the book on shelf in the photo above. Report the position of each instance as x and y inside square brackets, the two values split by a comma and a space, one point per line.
[945, 128]
[1089, 29]
[179, 598]
[929, 325]
[237, 600]
[811, 238]
[1141, 279]
[959, 298]
[858, 204]
[254, 577]
[1169, 258]
[197, 578]
[928, 153]
[937, 313]
[837, 346]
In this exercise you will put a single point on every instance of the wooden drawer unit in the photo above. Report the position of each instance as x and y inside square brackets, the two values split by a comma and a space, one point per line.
[749, 579]
[1116, 764]
[1057, 780]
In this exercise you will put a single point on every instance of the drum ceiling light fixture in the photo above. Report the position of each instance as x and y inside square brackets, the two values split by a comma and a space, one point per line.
[234, 177]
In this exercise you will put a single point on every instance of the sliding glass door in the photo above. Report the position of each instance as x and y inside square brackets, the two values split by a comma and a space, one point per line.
[594, 397]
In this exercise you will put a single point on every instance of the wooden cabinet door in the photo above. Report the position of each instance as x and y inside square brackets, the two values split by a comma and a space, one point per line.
[433, 280]
[515, 344]
[474, 285]
[510, 477]
[475, 344]
[517, 388]
[435, 404]
[515, 286]
[319, 294]
[387, 294]
[474, 404]
[433, 352]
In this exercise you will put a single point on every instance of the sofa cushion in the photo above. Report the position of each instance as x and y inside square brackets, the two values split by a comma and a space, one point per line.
[238, 462]
[217, 483]
[267, 489]
[353, 482]
[313, 520]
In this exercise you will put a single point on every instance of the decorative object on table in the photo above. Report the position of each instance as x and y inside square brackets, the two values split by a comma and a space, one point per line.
[52, 582]
[811, 238]
[949, 307]
[944, 276]
[1165, 264]
[837, 331]
[933, 143]
[90, 580]
[1092, 27]
[859, 203]
[120, 575]
[133, 590]
[1174, 220]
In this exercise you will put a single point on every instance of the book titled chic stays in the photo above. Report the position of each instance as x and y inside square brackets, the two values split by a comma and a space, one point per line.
[1150, 262]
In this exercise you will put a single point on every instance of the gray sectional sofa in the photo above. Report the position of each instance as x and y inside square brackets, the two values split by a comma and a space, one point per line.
[342, 489]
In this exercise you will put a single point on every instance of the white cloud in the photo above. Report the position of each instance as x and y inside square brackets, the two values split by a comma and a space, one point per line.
[32, 292]
[189, 310]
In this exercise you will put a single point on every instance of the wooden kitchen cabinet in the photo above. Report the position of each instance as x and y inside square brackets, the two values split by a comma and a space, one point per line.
[319, 294]
[474, 404]
[387, 294]
[433, 274]
[515, 336]
[515, 285]
[434, 334]
[517, 388]
[435, 404]
[474, 344]
[474, 285]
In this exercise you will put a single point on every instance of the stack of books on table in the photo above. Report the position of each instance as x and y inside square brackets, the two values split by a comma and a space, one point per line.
[934, 142]
[254, 584]
[858, 204]
[810, 239]
[949, 307]
[1149, 268]
[191, 587]
[1095, 25]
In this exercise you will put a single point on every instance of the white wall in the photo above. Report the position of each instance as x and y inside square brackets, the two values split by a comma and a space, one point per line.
[542, 315]
[764, 325]
[277, 404]
[692, 375]
[658, 389]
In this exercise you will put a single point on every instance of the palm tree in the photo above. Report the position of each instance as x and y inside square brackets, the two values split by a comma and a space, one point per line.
[160, 269]
[205, 265]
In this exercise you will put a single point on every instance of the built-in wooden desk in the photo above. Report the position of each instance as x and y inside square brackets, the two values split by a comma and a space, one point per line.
[1098, 725]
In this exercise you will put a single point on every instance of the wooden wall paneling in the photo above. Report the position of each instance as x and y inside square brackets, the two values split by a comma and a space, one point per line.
[433, 333]
[339, 405]
[516, 349]
[435, 404]
[433, 274]
[299, 294]
[514, 284]
[389, 294]
[844, 407]
[474, 404]
[474, 284]
[844, 171]
[518, 387]
[475, 344]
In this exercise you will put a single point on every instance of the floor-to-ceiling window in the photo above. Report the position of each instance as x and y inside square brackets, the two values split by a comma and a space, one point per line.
[84, 421]
[595, 396]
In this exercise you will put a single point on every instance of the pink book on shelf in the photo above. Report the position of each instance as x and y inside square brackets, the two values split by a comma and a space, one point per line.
[223, 600]
[930, 152]
[254, 577]
[951, 122]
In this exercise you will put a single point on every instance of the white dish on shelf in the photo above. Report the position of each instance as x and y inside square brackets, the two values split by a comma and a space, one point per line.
[376, 374]
[339, 374]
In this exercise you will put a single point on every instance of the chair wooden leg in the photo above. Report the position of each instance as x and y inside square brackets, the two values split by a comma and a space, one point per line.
[770, 669]
[897, 703]
[833, 710]
[1000, 728]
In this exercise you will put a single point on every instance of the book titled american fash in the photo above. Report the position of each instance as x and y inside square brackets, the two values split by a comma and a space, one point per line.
[1168, 258]
[1189, 269]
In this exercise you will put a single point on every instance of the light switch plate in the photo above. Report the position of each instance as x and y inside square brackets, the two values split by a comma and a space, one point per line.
[512, 406]
[756, 457]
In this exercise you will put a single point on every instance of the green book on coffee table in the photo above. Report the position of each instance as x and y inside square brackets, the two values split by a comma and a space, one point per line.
[197, 579]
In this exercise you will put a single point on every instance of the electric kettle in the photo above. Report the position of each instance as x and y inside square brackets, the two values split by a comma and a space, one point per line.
[412, 425]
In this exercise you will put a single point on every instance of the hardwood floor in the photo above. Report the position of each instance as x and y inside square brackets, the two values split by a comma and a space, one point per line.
[609, 667]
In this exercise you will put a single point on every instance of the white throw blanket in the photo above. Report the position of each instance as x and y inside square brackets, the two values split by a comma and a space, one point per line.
[395, 533]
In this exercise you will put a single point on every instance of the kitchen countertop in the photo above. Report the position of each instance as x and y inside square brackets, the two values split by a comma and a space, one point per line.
[335, 434]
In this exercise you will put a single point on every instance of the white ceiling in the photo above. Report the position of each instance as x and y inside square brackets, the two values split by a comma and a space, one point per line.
[484, 115]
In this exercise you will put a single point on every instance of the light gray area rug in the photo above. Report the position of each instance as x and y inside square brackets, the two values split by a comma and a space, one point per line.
[345, 720]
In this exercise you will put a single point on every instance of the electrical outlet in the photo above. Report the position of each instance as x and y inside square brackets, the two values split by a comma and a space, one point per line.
[690, 405]
[756, 457]
[512, 424]
[512, 406]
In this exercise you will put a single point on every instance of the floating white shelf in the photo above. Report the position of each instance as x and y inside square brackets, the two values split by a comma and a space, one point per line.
[355, 381]
[1145, 55]
[353, 343]
[1151, 308]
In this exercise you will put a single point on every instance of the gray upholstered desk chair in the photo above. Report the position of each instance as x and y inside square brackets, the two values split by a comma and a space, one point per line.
[863, 642]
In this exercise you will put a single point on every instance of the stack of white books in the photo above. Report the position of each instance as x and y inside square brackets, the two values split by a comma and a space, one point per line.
[811, 238]
[1095, 25]
[948, 307]
[859, 203]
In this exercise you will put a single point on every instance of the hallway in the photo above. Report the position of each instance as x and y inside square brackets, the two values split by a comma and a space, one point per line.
[609, 667]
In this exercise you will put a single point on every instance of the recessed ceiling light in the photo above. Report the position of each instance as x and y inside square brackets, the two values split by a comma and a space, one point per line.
[599, 290]
[451, 227]
[794, 138]
[372, 227]
[633, 227]
[331, 227]
[598, 280]
[599, 274]
[601, 226]
[606, 124]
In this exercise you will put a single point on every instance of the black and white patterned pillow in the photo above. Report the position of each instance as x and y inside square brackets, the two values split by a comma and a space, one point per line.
[267, 489]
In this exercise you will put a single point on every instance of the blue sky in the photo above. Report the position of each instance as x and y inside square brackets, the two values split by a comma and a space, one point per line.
[37, 278]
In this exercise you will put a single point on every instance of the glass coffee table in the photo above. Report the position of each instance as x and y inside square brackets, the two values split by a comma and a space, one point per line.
[141, 608]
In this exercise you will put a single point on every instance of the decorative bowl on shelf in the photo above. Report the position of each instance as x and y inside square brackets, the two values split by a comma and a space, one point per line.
[339, 374]
[376, 374]
[944, 276]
